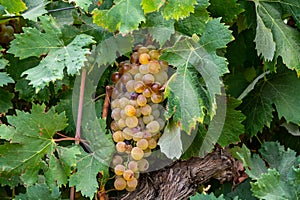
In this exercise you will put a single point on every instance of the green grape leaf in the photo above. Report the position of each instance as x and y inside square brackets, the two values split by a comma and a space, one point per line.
[279, 179]
[286, 38]
[184, 102]
[264, 40]
[254, 165]
[84, 4]
[270, 186]
[233, 126]
[85, 178]
[125, 16]
[27, 91]
[36, 8]
[4, 77]
[152, 5]
[65, 105]
[39, 191]
[170, 141]
[277, 157]
[215, 36]
[15, 6]
[277, 89]
[196, 22]
[293, 9]
[6, 132]
[228, 10]
[203, 57]
[52, 66]
[61, 166]
[202, 196]
[159, 28]
[178, 10]
[108, 50]
[33, 42]
[5, 100]
[242, 191]
[90, 164]
[32, 140]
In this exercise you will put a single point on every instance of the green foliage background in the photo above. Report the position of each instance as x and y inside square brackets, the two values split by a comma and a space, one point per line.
[250, 47]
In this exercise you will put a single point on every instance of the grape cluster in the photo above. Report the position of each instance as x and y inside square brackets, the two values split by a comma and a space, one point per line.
[6, 34]
[137, 114]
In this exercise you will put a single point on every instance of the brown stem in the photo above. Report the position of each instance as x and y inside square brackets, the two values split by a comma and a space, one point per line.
[72, 193]
[105, 108]
[182, 179]
[80, 105]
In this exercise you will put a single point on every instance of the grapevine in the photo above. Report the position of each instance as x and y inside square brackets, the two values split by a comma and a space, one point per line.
[137, 114]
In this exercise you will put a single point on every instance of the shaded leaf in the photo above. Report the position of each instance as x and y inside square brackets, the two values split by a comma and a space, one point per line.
[39, 191]
[277, 89]
[228, 10]
[206, 197]
[5, 100]
[233, 126]
[285, 37]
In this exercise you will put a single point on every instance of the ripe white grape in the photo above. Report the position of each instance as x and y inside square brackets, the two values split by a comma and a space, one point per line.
[138, 77]
[153, 127]
[148, 118]
[144, 69]
[137, 153]
[148, 79]
[146, 110]
[120, 183]
[128, 175]
[121, 147]
[141, 100]
[115, 114]
[143, 144]
[132, 165]
[132, 183]
[154, 66]
[130, 86]
[132, 121]
[130, 110]
[117, 160]
[123, 102]
[118, 136]
[138, 136]
[143, 165]
[119, 169]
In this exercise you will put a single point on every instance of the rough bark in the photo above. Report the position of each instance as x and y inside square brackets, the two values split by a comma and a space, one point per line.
[182, 178]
